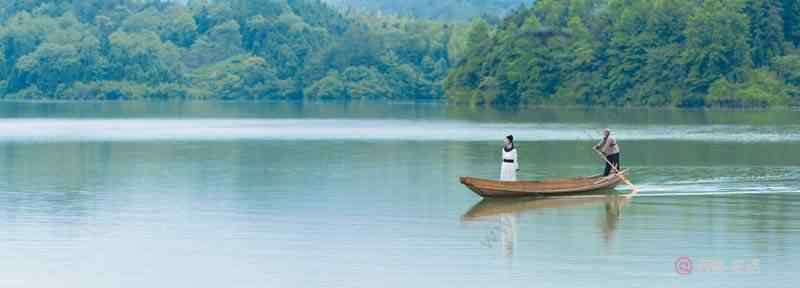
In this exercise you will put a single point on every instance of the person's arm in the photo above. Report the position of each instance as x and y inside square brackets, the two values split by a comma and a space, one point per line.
[516, 160]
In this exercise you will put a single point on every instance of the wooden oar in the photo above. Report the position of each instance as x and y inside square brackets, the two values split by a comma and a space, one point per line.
[635, 190]
[618, 173]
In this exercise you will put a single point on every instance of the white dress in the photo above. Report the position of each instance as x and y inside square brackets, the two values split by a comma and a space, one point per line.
[508, 171]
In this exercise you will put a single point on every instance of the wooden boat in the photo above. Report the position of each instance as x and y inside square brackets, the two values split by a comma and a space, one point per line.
[553, 187]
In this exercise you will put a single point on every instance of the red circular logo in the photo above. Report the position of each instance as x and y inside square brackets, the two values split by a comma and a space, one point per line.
[683, 265]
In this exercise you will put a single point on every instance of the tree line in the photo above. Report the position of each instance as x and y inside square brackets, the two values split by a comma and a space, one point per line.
[222, 50]
[680, 53]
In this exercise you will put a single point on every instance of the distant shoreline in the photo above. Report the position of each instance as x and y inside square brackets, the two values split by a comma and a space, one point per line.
[498, 108]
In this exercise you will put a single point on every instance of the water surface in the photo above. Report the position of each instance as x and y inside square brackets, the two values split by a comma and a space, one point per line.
[366, 195]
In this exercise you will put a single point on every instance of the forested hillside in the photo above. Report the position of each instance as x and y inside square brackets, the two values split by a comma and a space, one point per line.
[682, 53]
[458, 10]
[223, 49]
[685, 53]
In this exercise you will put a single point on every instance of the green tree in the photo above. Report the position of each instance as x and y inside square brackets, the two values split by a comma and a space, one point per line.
[181, 28]
[478, 37]
[716, 46]
[64, 53]
[766, 30]
[788, 67]
[239, 77]
[332, 87]
[628, 51]
[791, 20]
[221, 42]
[462, 84]
[763, 88]
[22, 33]
[142, 57]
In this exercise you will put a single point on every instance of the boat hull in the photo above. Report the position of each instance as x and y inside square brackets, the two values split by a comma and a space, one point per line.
[554, 187]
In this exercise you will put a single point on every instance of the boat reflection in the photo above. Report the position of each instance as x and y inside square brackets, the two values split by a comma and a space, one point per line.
[506, 212]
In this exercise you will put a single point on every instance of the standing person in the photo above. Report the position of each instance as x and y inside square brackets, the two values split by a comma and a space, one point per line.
[610, 149]
[510, 166]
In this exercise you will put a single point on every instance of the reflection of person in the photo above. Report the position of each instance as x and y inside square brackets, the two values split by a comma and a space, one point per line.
[510, 166]
[508, 233]
[613, 212]
[610, 149]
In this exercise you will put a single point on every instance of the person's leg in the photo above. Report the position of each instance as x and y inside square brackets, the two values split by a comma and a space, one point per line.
[614, 159]
[608, 167]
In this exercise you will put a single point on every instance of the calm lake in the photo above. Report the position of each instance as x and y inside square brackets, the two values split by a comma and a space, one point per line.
[367, 195]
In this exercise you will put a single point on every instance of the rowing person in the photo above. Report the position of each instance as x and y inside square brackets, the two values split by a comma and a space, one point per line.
[510, 166]
[610, 149]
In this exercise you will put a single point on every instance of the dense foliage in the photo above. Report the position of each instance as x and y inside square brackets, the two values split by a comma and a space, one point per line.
[458, 10]
[685, 53]
[222, 49]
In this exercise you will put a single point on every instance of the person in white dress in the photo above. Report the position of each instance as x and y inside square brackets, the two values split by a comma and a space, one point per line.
[510, 165]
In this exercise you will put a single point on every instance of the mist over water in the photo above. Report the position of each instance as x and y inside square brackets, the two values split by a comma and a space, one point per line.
[62, 130]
